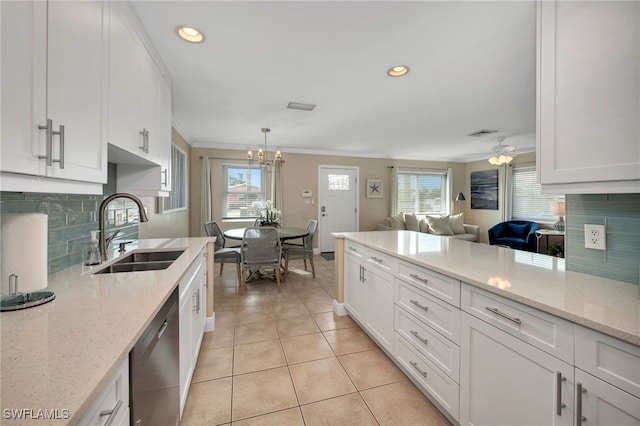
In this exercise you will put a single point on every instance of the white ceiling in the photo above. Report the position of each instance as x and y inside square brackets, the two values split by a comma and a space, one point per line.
[472, 67]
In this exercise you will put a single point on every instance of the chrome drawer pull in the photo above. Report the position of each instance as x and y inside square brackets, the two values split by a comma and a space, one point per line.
[503, 315]
[111, 413]
[415, 333]
[375, 259]
[559, 404]
[415, 365]
[424, 280]
[353, 249]
[415, 302]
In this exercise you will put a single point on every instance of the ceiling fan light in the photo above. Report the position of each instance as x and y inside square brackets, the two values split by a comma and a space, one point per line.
[494, 160]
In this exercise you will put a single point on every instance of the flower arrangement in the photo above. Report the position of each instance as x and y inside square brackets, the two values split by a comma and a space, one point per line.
[268, 215]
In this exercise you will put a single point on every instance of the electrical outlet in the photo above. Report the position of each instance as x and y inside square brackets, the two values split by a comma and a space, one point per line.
[595, 237]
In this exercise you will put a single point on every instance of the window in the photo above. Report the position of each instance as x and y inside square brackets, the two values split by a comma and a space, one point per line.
[422, 192]
[244, 191]
[527, 200]
[177, 199]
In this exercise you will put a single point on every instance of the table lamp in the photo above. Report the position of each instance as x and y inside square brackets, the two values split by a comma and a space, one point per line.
[557, 209]
[459, 197]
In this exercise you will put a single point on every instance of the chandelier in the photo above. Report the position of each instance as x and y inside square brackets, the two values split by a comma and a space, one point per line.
[262, 153]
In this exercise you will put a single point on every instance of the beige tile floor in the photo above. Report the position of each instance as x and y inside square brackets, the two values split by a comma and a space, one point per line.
[285, 359]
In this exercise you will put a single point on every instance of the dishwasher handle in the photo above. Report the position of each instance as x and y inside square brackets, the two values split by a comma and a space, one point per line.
[163, 327]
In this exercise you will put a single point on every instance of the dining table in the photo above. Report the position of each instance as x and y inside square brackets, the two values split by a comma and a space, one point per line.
[284, 233]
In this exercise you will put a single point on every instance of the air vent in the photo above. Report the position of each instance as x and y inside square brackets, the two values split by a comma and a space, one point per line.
[298, 105]
[481, 133]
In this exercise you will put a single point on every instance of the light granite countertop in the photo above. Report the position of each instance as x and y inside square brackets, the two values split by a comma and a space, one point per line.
[540, 281]
[57, 356]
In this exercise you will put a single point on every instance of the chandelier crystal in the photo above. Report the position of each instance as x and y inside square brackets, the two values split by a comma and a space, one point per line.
[262, 154]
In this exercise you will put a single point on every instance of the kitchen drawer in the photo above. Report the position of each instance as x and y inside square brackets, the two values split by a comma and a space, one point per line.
[441, 351]
[431, 379]
[434, 283]
[609, 359]
[382, 261]
[355, 249]
[192, 272]
[546, 332]
[440, 316]
[113, 400]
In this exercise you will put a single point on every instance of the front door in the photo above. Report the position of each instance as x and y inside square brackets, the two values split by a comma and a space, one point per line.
[338, 203]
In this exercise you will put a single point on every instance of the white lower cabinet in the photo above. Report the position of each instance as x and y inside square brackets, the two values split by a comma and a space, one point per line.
[112, 405]
[192, 317]
[600, 403]
[369, 296]
[505, 381]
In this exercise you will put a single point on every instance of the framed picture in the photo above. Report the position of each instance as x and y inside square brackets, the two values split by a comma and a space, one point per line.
[484, 190]
[374, 188]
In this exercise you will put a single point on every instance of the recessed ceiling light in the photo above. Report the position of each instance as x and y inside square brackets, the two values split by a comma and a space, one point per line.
[190, 34]
[398, 71]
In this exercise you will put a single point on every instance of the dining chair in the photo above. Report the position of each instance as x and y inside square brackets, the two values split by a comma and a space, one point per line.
[260, 251]
[223, 254]
[304, 251]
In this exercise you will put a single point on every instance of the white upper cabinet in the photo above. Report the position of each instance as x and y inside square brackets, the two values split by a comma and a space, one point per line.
[139, 109]
[588, 96]
[54, 92]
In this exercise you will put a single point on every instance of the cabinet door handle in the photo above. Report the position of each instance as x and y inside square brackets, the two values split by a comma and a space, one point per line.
[48, 142]
[111, 413]
[363, 274]
[143, 132]
[415, 333]
[559, 404]
[196, 296]
[353, 249]
[415, 302]
[579, 391]
[503, 315]
[146, 141]
[165, 173]
[61, 134]
[415, 365]
[375, 259]
[419, 278]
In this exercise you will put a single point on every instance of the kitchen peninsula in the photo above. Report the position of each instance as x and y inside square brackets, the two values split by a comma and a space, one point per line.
[474, 325]
[57, 357]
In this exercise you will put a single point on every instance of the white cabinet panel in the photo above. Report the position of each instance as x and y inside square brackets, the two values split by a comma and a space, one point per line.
[505, 381]
[112, 405]
[355, 296]
[588, 96]
[379, 317]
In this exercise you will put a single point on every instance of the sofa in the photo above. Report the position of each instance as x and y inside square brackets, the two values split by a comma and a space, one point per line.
[445, 226]
[517, 234]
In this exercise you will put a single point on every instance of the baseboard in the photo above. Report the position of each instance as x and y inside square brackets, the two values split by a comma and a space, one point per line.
[339, 309]
[210, 324]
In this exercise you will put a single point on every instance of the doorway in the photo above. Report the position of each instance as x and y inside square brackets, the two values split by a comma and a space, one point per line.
[337, 203]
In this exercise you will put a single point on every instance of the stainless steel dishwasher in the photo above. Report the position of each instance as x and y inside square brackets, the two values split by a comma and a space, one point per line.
[155, 370]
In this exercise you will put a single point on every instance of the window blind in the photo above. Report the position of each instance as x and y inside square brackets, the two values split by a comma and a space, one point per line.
[421, 192]
[527, 200]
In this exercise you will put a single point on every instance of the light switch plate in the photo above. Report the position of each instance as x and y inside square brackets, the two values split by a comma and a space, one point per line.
[595, 237]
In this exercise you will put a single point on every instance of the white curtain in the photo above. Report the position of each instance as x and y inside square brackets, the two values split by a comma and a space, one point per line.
[205, 196]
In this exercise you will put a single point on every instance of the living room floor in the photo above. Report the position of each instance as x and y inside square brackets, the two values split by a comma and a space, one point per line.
[286, 359]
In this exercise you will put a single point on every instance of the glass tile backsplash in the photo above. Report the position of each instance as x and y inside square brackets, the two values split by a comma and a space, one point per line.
[620, 213]
[72, 217]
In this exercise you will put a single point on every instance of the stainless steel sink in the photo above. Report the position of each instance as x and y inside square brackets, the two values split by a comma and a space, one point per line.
[143, 261]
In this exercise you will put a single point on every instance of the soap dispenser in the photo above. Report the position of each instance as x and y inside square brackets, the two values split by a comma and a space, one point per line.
[93, 255]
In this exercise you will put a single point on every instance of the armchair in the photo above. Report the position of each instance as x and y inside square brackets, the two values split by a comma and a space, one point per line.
[517, 234]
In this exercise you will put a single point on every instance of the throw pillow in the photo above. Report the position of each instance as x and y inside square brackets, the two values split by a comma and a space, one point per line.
[457, 223]
[424, 226]
[412, 222]
[439, 225]
[397, 221]
[519, 231]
